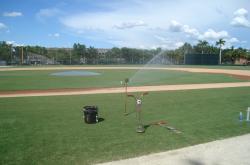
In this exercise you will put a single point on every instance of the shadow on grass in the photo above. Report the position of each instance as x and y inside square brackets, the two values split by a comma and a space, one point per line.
[129, 113]
[100, 119]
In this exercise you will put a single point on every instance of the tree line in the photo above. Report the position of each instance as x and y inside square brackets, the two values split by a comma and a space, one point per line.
[80, 54]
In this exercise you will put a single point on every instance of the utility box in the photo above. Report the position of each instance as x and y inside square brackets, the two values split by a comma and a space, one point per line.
[90, 114]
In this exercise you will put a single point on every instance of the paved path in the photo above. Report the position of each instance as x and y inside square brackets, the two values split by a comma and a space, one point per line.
[232, 151]
[61, 92]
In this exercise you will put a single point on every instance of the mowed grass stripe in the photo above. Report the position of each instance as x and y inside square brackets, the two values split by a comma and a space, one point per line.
[50, 130]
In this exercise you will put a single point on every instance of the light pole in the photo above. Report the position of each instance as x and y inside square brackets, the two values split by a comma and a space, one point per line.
[220, 55]
[21, 55]
[11, 54]
[70, 55]
[56, 55]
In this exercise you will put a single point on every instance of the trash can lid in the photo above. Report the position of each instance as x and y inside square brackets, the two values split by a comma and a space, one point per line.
[90, 109]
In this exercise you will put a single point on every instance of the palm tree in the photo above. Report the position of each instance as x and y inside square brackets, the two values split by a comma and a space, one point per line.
[221, 42]
[202, 44]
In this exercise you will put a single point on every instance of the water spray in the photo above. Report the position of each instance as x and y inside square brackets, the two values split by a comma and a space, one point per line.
[156, 60]
[138, 100]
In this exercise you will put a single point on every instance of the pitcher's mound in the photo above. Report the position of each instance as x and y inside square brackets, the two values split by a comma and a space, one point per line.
[75, 73]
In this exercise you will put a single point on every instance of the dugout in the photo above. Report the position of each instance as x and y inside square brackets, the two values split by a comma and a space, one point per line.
[201, 59]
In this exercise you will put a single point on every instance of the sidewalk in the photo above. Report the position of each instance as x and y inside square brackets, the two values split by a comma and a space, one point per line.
[232, 151]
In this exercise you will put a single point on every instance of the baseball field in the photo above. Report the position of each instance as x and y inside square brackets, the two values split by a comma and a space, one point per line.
[49, 129]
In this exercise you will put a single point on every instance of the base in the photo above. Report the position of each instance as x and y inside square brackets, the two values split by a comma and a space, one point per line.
[140, 129]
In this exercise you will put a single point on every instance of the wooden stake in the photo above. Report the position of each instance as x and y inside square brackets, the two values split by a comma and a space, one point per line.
[126, 95]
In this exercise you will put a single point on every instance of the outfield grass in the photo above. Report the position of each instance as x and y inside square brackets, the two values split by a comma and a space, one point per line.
[28, 80]
[234, 67]
[50, 130]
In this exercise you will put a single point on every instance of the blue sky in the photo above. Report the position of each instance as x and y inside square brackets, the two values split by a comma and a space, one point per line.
[131, 23]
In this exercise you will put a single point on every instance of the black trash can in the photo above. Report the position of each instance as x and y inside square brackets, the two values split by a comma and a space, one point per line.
[90, 114]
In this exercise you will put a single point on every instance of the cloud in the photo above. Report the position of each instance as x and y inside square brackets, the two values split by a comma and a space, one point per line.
[11, 42]
[47, 13]
[179, 44]
[14, 43]
[190, 31]
[12, 14]
[178, 27]
[240, 18]
[241, 12]
[2, 26]
[175, 26]
[233, 40]
[82, 22]
[162, 39]
[56, 35]
[129, 25]
[210, 34]
[169, 46]
[101, 21]
[147, 24]
[167, 43]
[240, 22]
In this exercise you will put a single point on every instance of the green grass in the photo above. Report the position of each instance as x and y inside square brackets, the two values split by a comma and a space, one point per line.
[50, 130]
[28, 80]
[235, 67]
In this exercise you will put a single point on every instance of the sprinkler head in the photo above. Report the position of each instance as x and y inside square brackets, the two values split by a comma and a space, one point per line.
[126, 80]
[140, 129]
[138, 102]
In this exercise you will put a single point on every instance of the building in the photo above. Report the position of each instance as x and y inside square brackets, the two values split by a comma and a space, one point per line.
[241, 61]
[36, 59]
[102, 51]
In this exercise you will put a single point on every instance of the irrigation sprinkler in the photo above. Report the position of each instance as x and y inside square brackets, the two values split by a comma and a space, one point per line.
[241, 117]
[126, 80]
[248, 114]
[138, 100]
